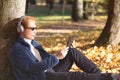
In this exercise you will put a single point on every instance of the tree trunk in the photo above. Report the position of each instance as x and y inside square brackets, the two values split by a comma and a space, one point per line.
[115, 25]
[111, 31]
[10, 10]
[77, 10]
[85, 9]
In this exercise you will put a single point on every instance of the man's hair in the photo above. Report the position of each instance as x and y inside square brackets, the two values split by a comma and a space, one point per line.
[26, 20]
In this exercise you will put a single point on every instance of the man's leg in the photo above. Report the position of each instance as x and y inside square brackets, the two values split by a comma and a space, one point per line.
[65, 64]
[81, 61]
[77, 76]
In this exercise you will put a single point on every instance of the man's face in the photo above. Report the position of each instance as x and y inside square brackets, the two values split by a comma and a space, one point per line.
[30, 30]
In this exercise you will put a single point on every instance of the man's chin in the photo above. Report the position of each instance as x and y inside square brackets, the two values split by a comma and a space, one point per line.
[33, 38]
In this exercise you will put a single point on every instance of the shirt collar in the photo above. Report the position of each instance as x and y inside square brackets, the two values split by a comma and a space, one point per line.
[27, 40]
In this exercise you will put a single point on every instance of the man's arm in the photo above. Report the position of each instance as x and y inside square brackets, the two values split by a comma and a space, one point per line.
[22, 61]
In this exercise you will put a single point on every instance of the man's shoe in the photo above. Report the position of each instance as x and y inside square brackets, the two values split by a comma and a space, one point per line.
[116, 76]
[71, 39]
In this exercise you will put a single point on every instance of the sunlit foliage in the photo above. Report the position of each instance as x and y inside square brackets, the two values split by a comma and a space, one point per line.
[107, 58]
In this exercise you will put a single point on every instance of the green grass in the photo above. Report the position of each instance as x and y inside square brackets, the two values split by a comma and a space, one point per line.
[58, 17]
[43, 17]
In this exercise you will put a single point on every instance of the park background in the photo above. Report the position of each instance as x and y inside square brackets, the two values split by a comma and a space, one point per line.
[54, 30]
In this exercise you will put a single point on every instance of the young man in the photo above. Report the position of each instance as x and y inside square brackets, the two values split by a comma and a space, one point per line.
[31, 62]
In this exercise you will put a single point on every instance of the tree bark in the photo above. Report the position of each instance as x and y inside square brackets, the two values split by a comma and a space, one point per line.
[111, 32]
[10, 10]
[77, 10]
[115, 25]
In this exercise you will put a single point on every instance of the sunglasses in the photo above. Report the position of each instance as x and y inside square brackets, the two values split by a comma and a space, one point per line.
[32, 28]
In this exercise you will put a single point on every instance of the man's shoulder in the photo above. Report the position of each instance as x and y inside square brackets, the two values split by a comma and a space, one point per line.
[17, 45]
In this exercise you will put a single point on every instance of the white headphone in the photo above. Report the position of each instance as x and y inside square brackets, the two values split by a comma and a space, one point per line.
[20, 27]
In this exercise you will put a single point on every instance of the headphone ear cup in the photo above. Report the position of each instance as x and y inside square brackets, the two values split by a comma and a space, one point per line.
[20, 28]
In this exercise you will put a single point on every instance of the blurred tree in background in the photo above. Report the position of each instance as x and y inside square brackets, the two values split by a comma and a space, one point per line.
[111, 31]
[77, 10]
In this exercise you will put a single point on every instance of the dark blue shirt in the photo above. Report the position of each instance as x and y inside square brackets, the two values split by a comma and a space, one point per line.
[24, 63]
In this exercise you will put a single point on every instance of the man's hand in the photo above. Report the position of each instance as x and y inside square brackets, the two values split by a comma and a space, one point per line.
[62, 53]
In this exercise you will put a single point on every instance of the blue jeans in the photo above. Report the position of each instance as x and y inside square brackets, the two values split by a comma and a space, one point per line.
[90, 70]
